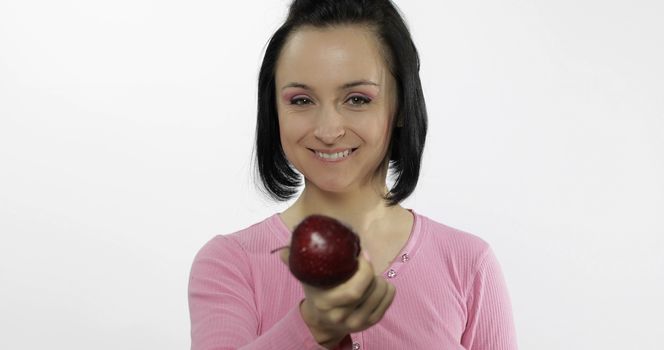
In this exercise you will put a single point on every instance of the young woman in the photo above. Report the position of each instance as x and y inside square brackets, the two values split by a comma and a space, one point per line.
[340, 102]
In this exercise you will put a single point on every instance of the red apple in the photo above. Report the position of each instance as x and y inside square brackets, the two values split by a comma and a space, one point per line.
[323, 252]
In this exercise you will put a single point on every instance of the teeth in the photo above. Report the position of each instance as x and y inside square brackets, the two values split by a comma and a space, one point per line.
[334, 155]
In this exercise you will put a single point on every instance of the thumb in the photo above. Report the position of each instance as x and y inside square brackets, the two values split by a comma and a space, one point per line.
[284, 254]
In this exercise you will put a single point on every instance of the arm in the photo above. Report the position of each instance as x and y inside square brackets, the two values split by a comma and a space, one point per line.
[222, 309]
[490, 325]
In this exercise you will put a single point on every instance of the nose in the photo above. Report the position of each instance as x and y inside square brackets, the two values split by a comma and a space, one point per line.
[330, 127]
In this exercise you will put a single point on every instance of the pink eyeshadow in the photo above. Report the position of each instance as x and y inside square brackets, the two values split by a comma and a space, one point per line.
[368, 92]
[287, 96]
[364, 93]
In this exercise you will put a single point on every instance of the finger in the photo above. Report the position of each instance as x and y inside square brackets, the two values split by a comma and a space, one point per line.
[284, 254]
[338, 314]
[369, 291]
[349, 292]
[374, 299]
[346, 294]
[359, 318]
[385, 303]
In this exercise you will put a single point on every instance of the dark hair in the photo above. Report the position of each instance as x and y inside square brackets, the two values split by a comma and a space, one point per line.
[407, 142]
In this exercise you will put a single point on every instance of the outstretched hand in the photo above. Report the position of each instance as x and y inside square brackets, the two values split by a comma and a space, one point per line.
[350, 307]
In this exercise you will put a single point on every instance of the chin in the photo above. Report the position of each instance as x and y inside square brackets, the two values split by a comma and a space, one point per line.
[331, 185]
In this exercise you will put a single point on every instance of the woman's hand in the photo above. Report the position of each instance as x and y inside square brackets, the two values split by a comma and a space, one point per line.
[350, 307]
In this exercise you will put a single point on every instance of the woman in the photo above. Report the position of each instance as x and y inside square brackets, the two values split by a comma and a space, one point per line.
[340, 101]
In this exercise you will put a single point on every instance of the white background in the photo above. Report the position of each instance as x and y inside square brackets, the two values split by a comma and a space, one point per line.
[126, 130]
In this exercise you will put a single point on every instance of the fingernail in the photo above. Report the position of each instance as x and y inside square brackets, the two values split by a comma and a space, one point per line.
[366, 255]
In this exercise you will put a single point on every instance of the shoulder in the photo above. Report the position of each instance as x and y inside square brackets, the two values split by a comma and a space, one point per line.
[464, 256]
[453, 239]
[238, 244]
[461, 253]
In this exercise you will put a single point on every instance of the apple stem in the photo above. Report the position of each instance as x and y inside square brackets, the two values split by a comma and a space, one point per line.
[280, 248]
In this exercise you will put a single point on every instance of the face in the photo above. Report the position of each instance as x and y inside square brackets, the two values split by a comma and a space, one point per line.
[336, 101]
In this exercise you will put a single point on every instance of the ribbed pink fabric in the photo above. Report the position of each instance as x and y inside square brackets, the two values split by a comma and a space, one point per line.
[450, 294]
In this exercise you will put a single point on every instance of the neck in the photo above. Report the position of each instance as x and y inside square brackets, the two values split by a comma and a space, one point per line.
[361, 208]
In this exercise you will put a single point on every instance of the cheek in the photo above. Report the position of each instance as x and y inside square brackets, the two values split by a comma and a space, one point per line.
[375, 127]
[292, 129]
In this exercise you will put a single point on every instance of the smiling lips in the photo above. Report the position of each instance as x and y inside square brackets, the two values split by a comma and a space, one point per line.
[337, 155]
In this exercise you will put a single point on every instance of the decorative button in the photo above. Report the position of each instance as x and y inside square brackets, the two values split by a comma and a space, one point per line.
[391, 273]
[356, 346]
[405, 257]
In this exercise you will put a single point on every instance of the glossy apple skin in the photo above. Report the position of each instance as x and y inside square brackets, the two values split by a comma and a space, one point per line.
[323, 252]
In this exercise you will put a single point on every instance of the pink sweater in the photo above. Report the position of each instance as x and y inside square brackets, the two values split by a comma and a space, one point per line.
[450, 294]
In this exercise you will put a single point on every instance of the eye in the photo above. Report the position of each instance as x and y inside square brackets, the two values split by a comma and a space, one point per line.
[358, 100]
[300, 101]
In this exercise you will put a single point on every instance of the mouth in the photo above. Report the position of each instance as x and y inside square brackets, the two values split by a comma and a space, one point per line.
[333, 156]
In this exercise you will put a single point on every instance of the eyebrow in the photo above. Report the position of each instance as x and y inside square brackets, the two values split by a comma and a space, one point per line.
[343, 87]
